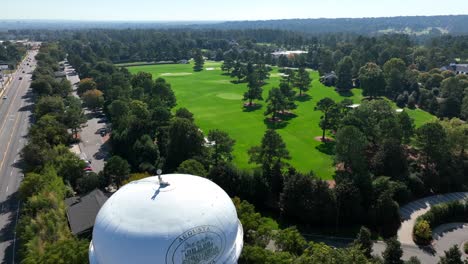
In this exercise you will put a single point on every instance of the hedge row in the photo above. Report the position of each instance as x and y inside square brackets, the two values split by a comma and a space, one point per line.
[456, 211]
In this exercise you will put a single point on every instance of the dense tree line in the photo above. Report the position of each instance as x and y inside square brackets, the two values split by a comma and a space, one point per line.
[11, 53]
[51, 170]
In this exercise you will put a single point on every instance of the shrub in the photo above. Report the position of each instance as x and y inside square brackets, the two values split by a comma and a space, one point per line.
[465, 248]
[422, 233]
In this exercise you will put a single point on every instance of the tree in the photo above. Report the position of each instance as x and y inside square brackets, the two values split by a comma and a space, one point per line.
[89, 182]
[422, 232]
[93, 99]
[162, 93]
[41, 86]
[372, 80]
[457, 135]
[272, 150]
[228, 63]
[185, 142]
[145, 154]
[307, 200]
[254, 91]
[52, 105]
[290, 240]
[452, 256]
[143, 80]
[385, 214]
[277, 102]
[199, 60]
[364, 241]
[350, 144]
[394, 72]
[116, 170]
[464, 106]
[223, 146]
[184, 113]
[450, 107]
[86, 84]
[393, 252]
[431, 139]
[330, 115]
[192, 167]
[239, 71]
[48, 129]
[407, 126]
[68, 165]
[348, 202]
[66, 251]
[345, 74]
[303, 80]
[74, 115]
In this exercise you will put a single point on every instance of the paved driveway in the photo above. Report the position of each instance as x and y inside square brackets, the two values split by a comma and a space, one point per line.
[92, 146]
[445, 236]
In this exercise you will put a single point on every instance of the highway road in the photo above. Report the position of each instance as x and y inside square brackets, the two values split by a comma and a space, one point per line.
[15, 112]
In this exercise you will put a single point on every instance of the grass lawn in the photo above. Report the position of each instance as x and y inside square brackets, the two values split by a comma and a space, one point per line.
[217, 104]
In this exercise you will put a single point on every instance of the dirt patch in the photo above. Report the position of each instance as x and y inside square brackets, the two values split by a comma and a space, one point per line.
[250, 104]
[276, 120]
[327, 139]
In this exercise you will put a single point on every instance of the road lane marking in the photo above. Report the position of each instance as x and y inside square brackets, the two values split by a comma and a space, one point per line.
[9, 142]
[7, 188]
[12, 103]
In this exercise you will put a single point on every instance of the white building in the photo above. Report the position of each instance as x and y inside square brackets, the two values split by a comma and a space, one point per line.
[288, 53]
[192, 220]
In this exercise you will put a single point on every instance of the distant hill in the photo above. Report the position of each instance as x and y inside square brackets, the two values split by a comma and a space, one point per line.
[417, 25]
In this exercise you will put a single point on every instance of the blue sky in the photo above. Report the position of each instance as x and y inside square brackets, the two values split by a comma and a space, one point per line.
[157, 10]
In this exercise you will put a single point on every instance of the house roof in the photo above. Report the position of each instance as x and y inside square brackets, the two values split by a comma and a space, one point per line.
[462, 67]
[82, 211]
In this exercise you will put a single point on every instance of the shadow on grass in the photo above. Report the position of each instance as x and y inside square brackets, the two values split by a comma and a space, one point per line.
[327, 148]
[303, 98]
[237, 81]
[286, 116]
[275, 125]
[251, 108]
[345, 93]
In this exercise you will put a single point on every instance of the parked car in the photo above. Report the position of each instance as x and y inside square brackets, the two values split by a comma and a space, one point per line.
[5, 97]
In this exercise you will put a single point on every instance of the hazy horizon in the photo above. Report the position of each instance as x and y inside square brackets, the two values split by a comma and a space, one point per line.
[216, 11]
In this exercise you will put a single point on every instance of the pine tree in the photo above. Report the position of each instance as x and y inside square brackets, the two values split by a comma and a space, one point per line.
[199, 61]
[254, 87]
[277, 102]
[303, 80]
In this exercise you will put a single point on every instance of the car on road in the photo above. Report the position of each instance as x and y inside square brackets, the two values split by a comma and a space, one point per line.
[20, 78]
[5, 97]
[102, 120]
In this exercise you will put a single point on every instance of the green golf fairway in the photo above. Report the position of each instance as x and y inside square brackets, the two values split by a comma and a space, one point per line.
[217, 104]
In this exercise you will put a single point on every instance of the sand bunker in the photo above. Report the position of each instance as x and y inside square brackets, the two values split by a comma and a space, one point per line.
[176, 74]
[210, 69]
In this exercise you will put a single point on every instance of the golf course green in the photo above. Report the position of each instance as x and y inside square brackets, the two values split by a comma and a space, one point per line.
[217, 104]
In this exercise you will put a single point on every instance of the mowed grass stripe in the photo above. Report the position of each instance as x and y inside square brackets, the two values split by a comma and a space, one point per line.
[202, 93]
